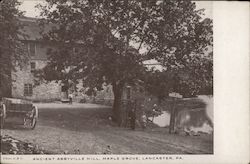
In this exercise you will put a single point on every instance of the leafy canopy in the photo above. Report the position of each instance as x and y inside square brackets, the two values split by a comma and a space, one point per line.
[11, 49]
[113, 38]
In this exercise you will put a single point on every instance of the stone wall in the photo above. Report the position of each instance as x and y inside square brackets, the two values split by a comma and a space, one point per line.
[45, 91]
[106, 93]
[5, 88]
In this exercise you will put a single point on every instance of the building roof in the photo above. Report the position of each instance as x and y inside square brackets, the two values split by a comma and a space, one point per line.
[31, 29]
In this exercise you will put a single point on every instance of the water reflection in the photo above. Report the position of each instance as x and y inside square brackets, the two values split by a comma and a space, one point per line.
[162, 120]
[191, 120]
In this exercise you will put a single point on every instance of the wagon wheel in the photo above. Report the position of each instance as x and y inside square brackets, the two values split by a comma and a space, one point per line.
[34, 118]
[2, 115]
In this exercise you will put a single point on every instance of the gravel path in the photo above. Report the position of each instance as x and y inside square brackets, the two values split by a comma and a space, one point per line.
[85, 129]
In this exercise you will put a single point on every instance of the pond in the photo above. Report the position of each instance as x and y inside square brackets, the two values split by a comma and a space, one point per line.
[195, 120]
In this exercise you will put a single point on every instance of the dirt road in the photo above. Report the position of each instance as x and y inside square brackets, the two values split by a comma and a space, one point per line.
[86, 129]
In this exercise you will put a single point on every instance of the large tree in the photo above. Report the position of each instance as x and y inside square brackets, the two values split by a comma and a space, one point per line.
[11, 49]
[114, 37]
[184, 49]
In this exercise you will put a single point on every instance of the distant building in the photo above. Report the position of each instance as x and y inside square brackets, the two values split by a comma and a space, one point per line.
[23, 81]
[23, 85]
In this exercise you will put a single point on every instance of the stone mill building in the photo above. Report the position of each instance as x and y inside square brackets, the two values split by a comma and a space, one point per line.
[23, 85]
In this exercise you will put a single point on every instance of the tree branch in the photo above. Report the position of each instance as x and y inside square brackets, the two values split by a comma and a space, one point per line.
[142, 40]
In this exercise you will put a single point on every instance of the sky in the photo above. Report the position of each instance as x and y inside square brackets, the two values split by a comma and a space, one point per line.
[30, 11]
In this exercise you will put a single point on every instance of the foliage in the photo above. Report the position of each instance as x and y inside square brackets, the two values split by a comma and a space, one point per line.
[183, 45]
[159, 83]
[11, 49]
[195, 78]
[113, 38]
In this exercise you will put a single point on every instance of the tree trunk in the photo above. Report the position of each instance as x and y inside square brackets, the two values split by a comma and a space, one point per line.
[117, 90]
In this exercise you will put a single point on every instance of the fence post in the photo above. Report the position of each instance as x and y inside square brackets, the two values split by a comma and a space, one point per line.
[172, 118]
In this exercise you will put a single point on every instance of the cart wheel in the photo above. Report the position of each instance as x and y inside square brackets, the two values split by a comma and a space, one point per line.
[35, 117]
[2, 115]
[30, 121]
[1, 122]
[33, 123]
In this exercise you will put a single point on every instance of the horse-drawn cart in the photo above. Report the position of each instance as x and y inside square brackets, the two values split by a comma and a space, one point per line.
[18, 108]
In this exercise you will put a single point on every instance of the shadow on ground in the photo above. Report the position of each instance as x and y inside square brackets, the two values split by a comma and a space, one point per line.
[86, 129]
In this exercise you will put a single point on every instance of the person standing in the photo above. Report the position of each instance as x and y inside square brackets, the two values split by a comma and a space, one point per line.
[132, 118]
[70, 98]
[144, 121]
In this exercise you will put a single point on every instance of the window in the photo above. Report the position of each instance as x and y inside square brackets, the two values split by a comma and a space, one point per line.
[31, 48]
[28, 89]
[64, 88]
[32, 66]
